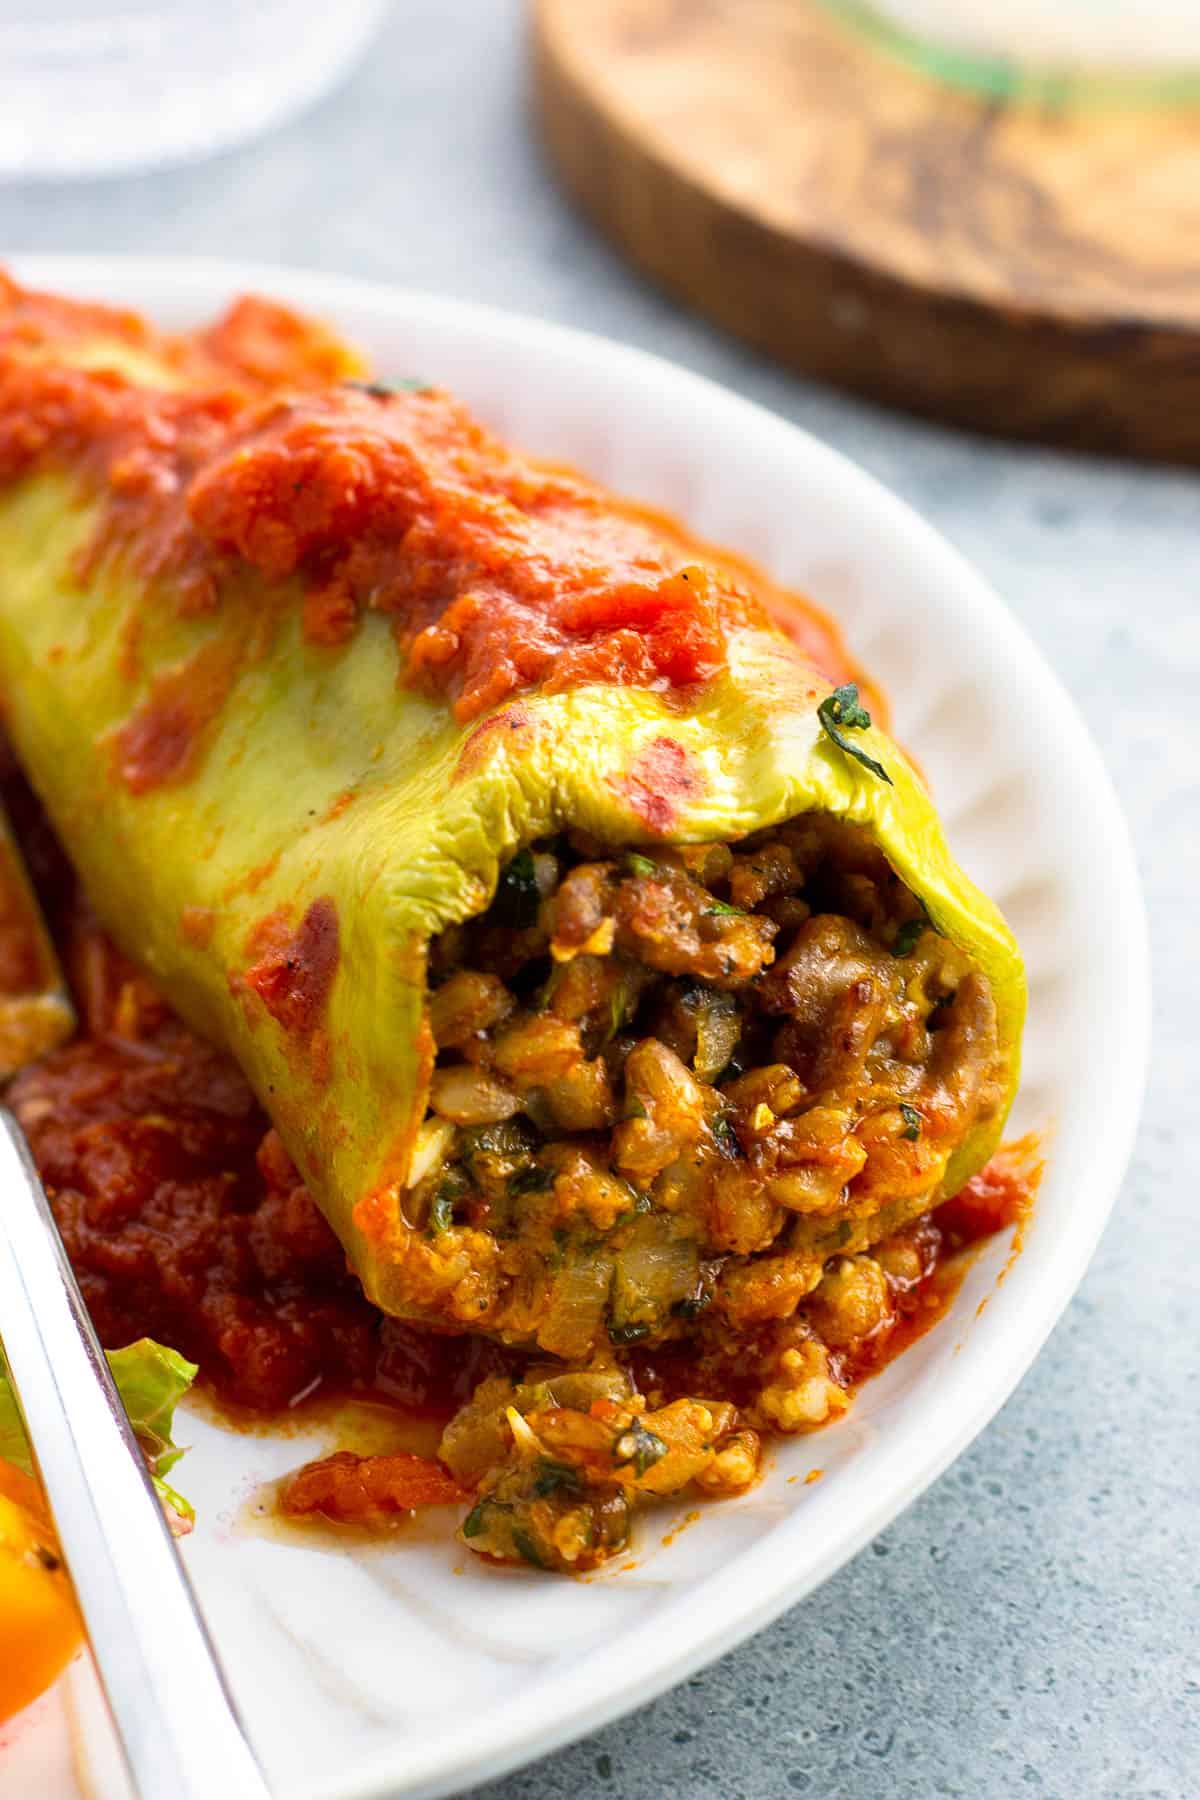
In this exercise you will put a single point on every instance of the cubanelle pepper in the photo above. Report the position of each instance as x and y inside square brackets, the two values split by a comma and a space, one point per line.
[279, 782]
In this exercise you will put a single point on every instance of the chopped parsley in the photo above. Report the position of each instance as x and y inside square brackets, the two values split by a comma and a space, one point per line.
[692, 1305]
[517, 896]
[441, 1209]
[640, 865]
[473, 1524]
[726, 1137]
[383, 390]
[908, 936]
[639, 1205]
[618, 1000]
[526, 1548]
[552, 1477]
[638, 1446]
[839, 713]
[721, 909]
[531, 1180]
[451, 1189]
[912, 1120]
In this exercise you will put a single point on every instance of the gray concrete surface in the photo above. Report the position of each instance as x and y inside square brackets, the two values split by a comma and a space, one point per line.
[1031, 1625]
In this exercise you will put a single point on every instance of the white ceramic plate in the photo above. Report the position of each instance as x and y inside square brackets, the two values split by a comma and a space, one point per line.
[412, 1668]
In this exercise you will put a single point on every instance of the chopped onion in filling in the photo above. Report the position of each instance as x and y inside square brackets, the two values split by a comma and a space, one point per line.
[738, 1056]
[678, 1096]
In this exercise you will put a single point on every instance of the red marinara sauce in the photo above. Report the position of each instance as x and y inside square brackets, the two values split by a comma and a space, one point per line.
[499, 574]
[185, 1220]
[179, 1207]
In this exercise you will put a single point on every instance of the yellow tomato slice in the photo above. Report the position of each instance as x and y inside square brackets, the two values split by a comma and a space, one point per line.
[39, 1624]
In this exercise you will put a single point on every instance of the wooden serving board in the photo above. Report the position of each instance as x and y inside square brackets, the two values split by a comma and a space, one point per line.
[1006, 268]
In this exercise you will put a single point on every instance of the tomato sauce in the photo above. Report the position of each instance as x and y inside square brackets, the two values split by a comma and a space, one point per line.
[999, 1196]
[181, 1211]
[499, 574]
[295, 969]
[162, 742]
[185, 1221]
[659, 783]
[371, 1490]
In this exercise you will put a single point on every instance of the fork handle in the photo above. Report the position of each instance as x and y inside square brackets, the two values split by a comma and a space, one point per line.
[175, 1717]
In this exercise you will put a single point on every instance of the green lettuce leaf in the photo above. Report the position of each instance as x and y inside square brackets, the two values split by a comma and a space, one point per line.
[151, 1381]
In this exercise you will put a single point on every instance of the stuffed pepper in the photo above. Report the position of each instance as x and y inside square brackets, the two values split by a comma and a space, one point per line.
[599, 960]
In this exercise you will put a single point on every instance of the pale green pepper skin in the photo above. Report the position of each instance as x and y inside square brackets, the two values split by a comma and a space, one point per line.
[322, 778]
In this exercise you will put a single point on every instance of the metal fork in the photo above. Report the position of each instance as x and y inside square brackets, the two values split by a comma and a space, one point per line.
[175, 1717]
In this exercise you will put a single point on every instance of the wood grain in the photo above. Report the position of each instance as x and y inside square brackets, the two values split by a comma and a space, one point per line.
[1007, 269]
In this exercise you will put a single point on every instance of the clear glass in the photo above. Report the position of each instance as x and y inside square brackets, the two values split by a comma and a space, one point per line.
[97, 87]
[1106, 51]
